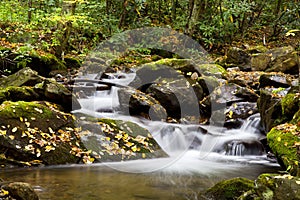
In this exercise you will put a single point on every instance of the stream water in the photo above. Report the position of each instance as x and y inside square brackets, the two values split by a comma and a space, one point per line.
[199, 156]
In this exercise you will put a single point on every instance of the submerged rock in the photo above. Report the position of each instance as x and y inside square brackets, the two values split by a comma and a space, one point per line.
[17, 190]
[228, 189]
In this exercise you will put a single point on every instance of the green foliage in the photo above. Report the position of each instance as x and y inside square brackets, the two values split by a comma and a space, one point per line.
[62, 27]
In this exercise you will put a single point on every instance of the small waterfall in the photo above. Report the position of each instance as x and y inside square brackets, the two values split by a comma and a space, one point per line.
[188, 146]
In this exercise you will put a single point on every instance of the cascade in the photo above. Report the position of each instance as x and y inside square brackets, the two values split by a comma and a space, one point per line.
[184, 143]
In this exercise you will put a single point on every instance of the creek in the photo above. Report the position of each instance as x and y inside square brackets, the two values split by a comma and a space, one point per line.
[199, 157]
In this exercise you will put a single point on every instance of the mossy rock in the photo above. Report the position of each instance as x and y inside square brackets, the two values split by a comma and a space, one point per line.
[45, 63]
[24, 77]
[117, 140]
[37, 133]
[18, 190]
[290, 104]
[13, 93]
[212, 70]
[72, 63]
[284, 141]
[229, 189]
[277, 186]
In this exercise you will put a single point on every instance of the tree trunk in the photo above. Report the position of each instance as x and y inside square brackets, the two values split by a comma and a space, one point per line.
[29, 14]
[198, 8]
[123, 15]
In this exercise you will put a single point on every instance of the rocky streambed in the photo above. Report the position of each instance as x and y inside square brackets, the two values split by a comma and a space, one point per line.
[37, 128]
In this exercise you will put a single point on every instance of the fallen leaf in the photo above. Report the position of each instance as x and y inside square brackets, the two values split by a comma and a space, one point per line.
[14, 129]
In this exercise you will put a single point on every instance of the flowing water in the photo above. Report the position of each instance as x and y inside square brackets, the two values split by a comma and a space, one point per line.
[199, 156]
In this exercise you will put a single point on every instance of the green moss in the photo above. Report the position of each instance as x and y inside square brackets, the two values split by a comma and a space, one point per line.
[289, 104]
[229, 189]
[18, 109]
[282, 143]
[13, 93]
[212, 69]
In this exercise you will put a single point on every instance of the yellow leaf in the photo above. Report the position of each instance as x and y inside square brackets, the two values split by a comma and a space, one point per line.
[14, 129]
[49, 148]
[134, 148]
[11, 137]
[279, 139]
[2, 132]
[143, 155]
[129, 144]
[230, 114]
[118, 136]
[231, 18]
[21, 119]
[4, 192]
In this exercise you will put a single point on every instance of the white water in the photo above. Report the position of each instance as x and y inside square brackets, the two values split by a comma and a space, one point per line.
[191, 148]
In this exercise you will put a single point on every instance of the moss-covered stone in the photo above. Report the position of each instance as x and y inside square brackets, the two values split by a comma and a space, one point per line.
[276, 186]
[37, 133]
[13, 93]
[44, 63]
[285, 142]
[24, 77]
[212, 69]
[229, 189]
[117, 140]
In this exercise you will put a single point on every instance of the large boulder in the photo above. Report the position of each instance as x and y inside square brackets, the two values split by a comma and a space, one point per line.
[284, 59]
[179, 97]
[276, 109]
[24, 77]
[117, 140]
[36, 133]
[285, 144]
[136, 103]
[27, 85]
[239, 58]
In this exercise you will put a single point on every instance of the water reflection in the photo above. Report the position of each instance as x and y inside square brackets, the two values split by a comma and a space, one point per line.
[99, 182]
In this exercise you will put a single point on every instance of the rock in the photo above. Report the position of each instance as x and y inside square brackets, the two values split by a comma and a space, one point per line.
[240, 58]
[241, 148]
[284, 59]
[57, 93]
[136, 103]
[274, 186]
[275, 80]
[45, 63]
[24, 77]
[230, 93]
[260, 62]
[211, 70]
[19, 191]
[179, 97]
[13, 93]
[269, 108]
[36, 133]
[118, 140]
[245, 79]
[284, 142]
[228, 189]
[236, 112]
[275, 109]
